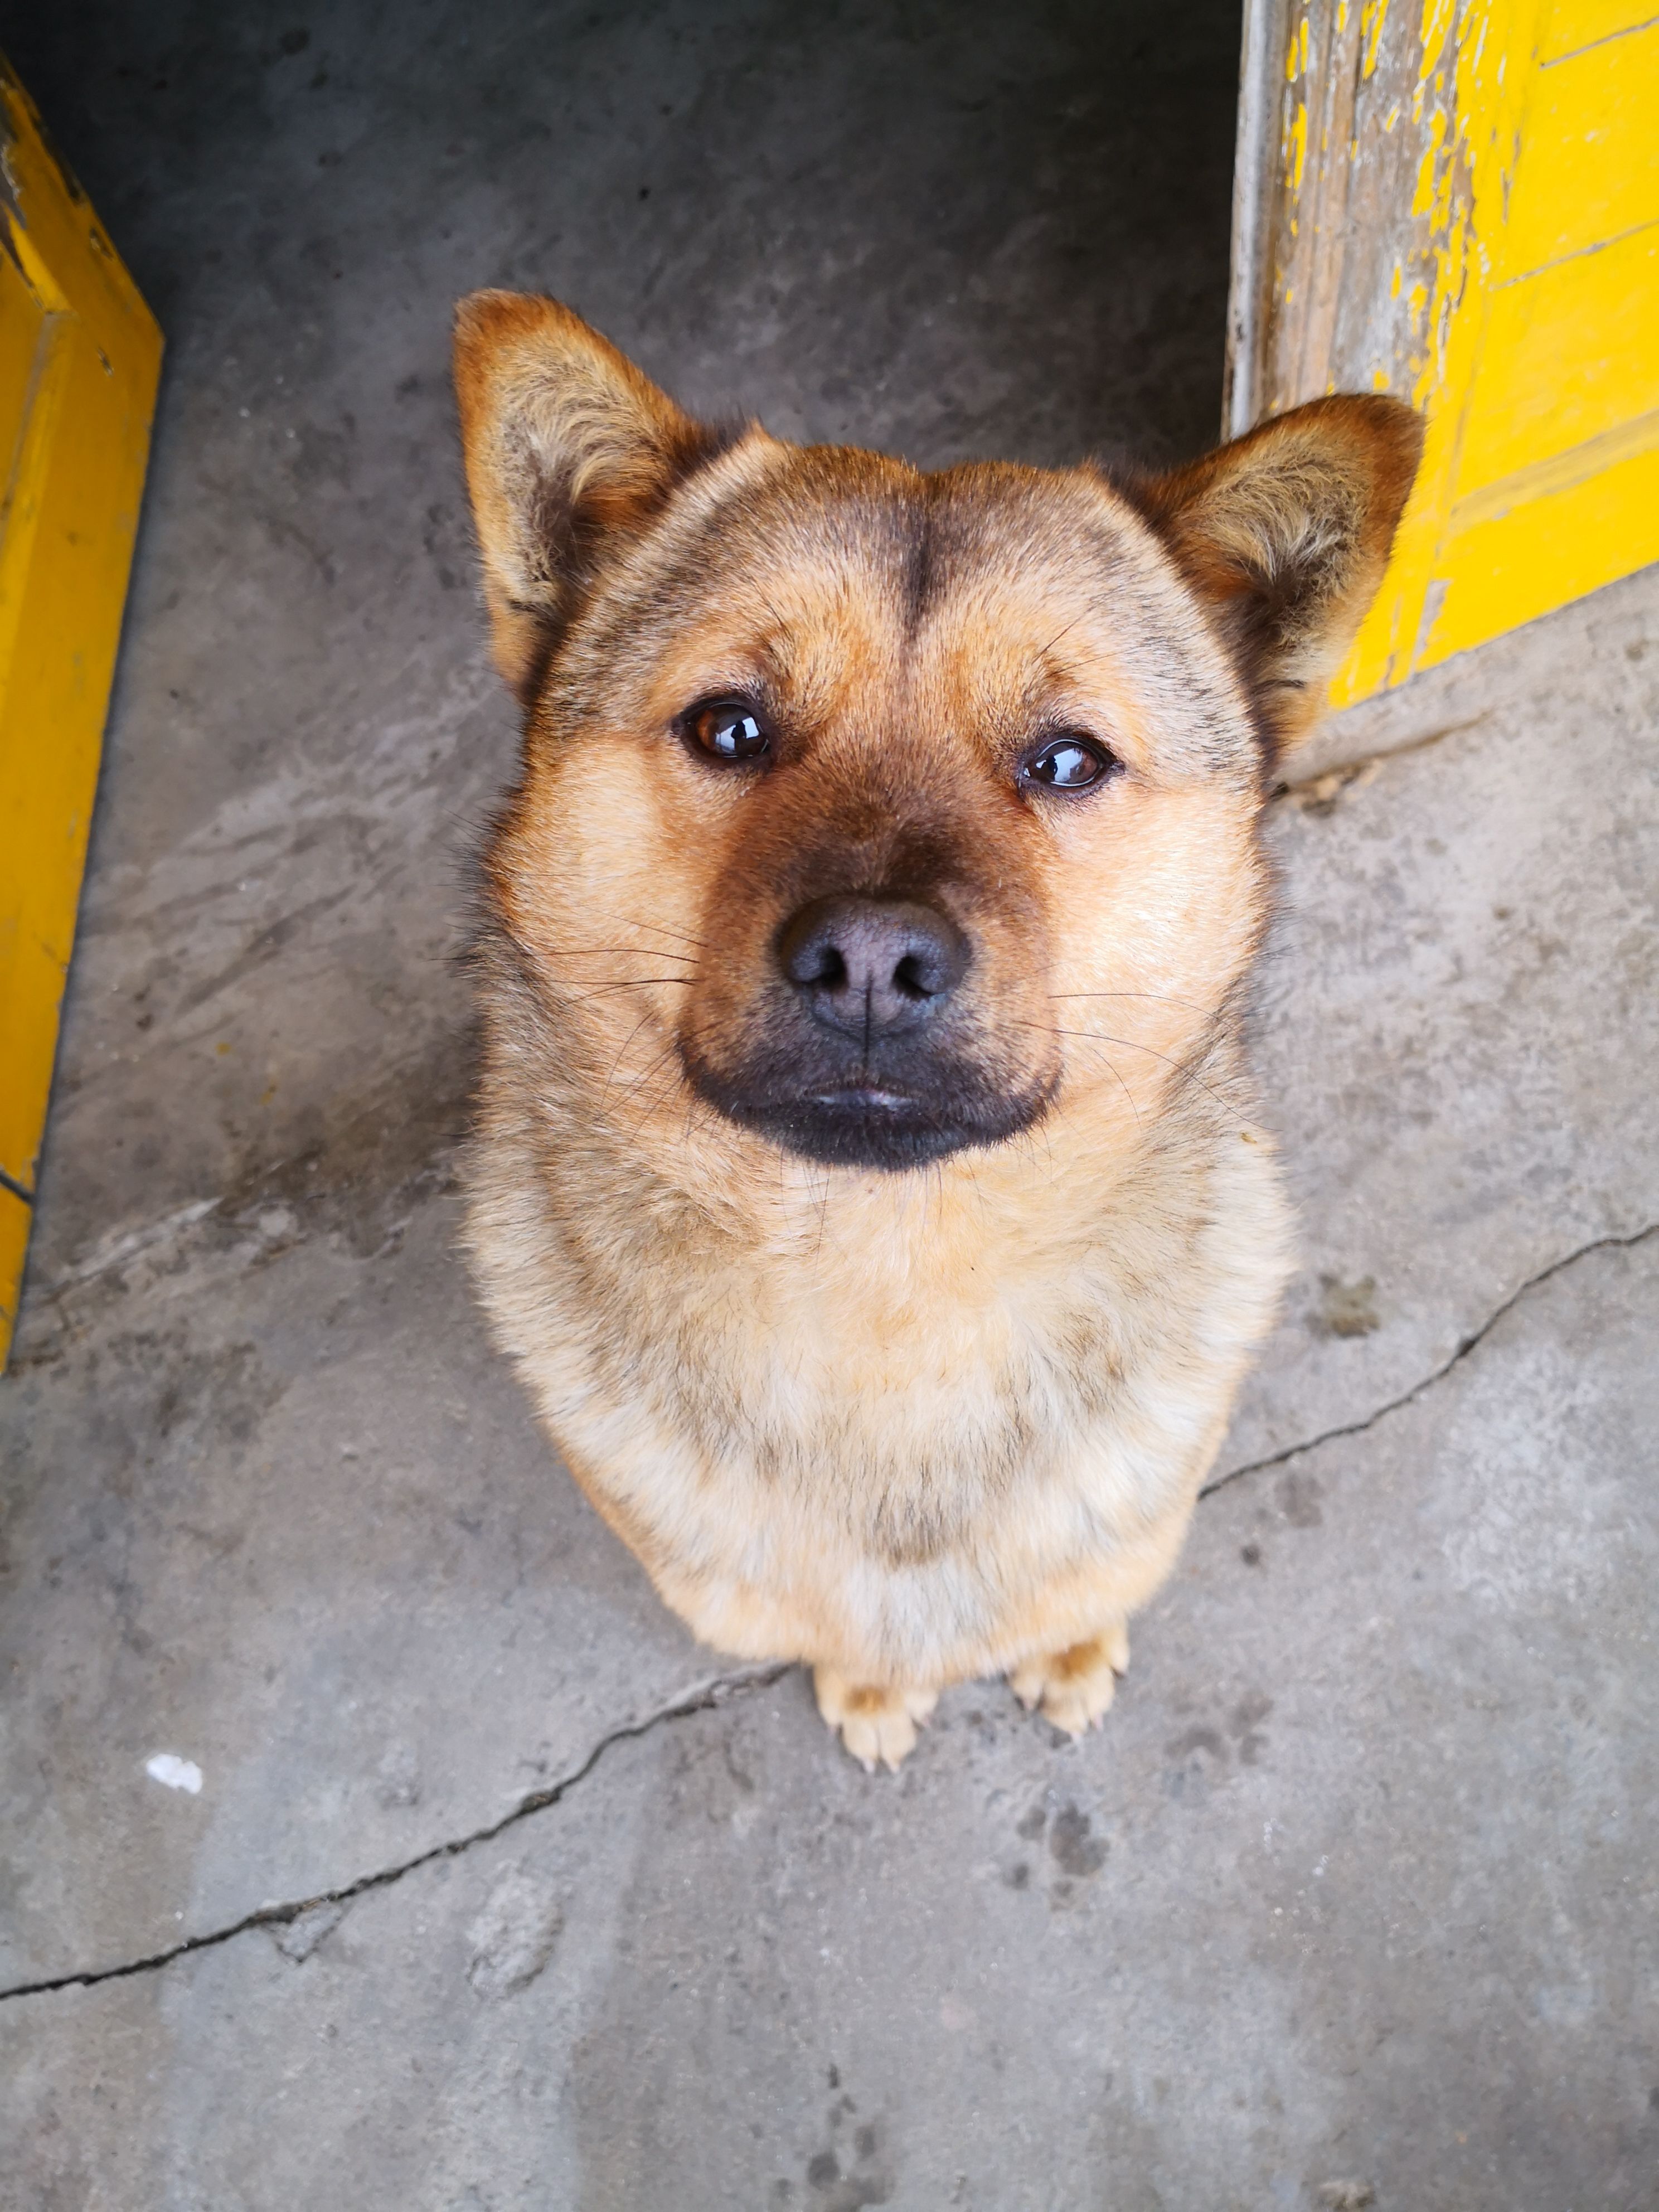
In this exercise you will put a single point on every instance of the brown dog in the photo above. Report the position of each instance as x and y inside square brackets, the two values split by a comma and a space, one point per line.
[867, 1183]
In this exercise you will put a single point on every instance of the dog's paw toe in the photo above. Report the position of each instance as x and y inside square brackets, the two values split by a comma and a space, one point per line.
[1074, 1687]
[877, 1723]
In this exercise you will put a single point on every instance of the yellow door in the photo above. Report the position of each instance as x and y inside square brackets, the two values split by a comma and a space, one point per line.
[1457, 201]
[80, 354]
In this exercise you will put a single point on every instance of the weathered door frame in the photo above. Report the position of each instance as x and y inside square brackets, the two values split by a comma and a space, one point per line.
[1457, 201]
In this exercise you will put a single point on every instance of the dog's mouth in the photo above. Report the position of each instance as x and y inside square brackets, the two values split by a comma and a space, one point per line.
[869, 1123]
[866, 1098]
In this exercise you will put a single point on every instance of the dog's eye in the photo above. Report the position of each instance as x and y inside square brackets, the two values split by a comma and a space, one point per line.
[728, 731]
[1068, 764]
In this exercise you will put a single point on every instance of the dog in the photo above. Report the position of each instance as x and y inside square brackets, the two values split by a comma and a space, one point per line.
[867, 1179]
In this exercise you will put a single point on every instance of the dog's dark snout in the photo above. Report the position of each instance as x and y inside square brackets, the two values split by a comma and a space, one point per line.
[872, 966]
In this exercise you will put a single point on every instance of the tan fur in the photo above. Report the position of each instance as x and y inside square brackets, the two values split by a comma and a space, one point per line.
[908, 1427]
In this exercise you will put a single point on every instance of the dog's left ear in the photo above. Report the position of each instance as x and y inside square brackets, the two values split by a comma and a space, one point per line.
[1284, 534]
[568, 448]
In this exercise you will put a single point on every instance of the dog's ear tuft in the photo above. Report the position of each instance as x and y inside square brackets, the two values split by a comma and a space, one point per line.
[1285, 534]
[566, 443]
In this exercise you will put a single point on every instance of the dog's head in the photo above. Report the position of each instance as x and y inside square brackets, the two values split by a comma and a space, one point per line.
[881, 808]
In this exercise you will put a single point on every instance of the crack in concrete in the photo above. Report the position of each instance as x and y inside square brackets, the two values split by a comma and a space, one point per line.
[725, 1687]
[711, 1696]
[1428, 1382]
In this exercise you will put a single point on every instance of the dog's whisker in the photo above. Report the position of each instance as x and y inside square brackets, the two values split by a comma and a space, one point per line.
[1057, 636]
[621, 1053]
[1184, 1068]
[1115, 1073]
[617, 952]
[663, 1071]
[666, 929]
[634, 983]
[627, 1090]
[1158, 998]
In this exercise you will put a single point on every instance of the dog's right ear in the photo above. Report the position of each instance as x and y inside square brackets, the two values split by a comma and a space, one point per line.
[566, 443]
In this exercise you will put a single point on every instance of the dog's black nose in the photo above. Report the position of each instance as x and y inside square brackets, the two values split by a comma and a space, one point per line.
[871, 967]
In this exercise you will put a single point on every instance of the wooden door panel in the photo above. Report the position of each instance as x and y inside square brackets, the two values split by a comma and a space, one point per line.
[1500, 568]
[80, 355]
[1574, 24]
[1569, 354]
[1457, 201]
[22, 315]
[1588, 171]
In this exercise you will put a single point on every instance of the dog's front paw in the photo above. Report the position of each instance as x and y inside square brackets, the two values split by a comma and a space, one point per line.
[1074, 1687]
[877, 1721]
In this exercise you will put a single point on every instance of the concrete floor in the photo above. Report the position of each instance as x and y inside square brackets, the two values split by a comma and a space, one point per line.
[497, 1894]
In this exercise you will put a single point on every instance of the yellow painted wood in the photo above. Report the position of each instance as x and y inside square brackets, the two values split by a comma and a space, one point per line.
[14, 1219]
[1568, 354]
[1528, 259]
[1574, 24]
[1589, 170]
[79, 363]
[21, 317]
[1472, 79]
[1497, 570]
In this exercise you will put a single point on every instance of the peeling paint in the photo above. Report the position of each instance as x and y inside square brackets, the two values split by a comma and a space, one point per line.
[1371, 22]
[1392, 222]
[1438, 17]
